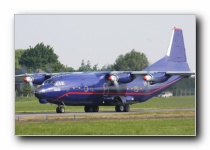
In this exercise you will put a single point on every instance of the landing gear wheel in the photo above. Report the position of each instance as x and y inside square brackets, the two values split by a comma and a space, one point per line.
[57, 110]
[126, 108]
[60, 109]
[95, 108]
[119, 108]
[91, 108]
[88, 108]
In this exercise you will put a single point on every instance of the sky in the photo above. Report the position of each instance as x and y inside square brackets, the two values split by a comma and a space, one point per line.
[102, 38]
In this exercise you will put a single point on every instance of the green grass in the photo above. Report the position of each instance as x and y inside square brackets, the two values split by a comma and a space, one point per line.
[32, 104]
[169, 126]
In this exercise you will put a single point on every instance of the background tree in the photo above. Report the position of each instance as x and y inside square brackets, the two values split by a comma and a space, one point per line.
[82, 67]
[95, 67]
[132, 61]
[88, 67]
[27, 90]
[40, 57]
[69, 69]
[184, 87]
[18, 55]
[107, 68]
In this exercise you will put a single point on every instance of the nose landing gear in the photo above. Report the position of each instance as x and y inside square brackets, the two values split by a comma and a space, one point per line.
[60, 109]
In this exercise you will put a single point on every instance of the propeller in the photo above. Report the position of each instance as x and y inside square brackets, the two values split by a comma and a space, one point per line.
[113, 80]
[32, 86]
[29, 80]
[147, 78]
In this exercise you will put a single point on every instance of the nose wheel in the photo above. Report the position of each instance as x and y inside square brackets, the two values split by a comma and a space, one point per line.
[60, 109]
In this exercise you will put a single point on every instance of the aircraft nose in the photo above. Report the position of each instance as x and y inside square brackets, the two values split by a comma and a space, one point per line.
[43, 91]
[39, 92]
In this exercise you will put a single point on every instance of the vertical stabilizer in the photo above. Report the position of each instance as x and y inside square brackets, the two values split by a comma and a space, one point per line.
[175, 59]
[176, 49]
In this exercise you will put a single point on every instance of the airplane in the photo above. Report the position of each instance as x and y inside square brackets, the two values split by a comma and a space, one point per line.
[113, 88]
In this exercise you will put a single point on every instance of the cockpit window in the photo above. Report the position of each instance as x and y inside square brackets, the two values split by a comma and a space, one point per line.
[47, 82]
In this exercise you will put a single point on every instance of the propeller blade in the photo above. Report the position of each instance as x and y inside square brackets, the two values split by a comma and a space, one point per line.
[147, 78]
[32, 86]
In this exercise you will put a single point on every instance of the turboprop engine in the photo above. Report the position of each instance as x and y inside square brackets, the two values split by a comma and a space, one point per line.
[121, 78]
[35, 79]
[156, 77]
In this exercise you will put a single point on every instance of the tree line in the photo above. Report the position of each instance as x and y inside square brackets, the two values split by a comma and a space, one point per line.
[43, 57]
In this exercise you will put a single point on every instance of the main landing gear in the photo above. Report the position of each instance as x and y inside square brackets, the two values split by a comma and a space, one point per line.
[60, 109]
[91, 108]
[118, 108]
[121, 108]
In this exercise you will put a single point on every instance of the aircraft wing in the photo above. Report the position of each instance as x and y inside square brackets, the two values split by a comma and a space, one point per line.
[47, 74]
[184, 73]
[180, 72]
[39, 78]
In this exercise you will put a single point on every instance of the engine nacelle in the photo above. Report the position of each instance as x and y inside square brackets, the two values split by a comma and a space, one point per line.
[121, 78]
[156, 77]
[35, 79]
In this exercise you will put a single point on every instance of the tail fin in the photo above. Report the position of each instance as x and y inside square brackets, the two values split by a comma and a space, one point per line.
[175, 59]
[176, 49]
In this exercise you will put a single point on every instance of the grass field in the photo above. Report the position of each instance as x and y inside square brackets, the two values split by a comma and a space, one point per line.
[168, 126]
[174, 123]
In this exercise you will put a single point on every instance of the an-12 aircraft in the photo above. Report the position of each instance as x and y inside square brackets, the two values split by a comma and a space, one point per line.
[113, 88]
